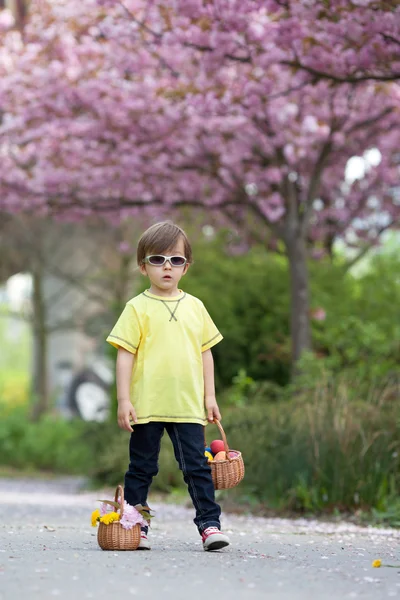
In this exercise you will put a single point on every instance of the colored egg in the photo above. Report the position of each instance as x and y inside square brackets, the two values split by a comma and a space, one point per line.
[217, 446]
[209, 456]
[220, 455]
[208, 449]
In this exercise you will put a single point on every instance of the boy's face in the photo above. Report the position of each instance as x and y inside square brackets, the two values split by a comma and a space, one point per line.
[166, 277]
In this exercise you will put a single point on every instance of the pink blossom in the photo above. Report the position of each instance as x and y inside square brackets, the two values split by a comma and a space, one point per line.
[103, 113]
[105, 508]
[318, 314]
[131, 517]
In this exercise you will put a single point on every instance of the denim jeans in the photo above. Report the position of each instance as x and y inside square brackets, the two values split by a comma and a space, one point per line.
[188, 442]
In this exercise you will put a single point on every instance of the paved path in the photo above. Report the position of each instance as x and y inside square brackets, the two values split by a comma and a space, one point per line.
[49, 550]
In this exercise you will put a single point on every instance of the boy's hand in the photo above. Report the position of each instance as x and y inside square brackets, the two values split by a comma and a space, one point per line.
[212, 408]
[126, 412]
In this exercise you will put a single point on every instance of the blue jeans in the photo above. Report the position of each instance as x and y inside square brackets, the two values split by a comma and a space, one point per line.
[188, 442]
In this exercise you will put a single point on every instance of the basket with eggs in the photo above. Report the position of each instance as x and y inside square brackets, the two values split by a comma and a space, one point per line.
[227, 466]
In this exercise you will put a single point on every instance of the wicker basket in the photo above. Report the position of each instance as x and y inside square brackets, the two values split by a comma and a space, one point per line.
[227, 473]
[114, 536]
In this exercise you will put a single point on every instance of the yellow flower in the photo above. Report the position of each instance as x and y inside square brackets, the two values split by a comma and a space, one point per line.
[95, 517]
[110, 518]
[377, 563]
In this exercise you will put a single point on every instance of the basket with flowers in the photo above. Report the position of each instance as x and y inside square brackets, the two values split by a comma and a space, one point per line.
[120, 523]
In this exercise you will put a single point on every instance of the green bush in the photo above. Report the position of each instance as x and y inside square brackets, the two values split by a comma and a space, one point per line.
[361, 331]
[321, 444]
[97, 450]
[315, 446]
[50, 444]
[110, 445]
[325, 447]
[247, 296]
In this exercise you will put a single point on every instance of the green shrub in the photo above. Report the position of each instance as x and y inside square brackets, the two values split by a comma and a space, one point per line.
[111, 447]
[361, 331]
[317, 445]
[49, 444]
[326, 447]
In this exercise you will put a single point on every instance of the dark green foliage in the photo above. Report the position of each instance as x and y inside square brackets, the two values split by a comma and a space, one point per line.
[247, 297]
[97, 450]
[329, 446]
[48, 444]
[361, 332]
[309, 447]
[110, 445]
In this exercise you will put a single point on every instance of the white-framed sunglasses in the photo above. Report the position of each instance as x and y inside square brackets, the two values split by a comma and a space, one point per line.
[158, 260]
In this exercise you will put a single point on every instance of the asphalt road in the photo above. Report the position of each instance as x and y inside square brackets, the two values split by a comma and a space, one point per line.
[48, 550]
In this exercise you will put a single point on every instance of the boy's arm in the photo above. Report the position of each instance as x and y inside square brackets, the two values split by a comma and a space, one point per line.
[124, 368]
[210, 401]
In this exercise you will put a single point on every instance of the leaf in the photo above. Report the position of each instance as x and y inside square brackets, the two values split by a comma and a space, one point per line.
[111, 503]
[146, 515]
[145, 511]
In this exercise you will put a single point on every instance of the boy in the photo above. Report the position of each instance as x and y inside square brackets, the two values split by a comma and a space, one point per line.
[165, 378]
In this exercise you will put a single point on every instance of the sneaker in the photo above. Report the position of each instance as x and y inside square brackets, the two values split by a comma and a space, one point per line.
[214, 539]
[144, 543]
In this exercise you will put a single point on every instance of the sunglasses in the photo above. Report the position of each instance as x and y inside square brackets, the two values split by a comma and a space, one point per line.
[158, 260]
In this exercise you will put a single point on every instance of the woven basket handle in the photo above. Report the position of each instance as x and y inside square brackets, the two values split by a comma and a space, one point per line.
[119, 493]
[222, 432]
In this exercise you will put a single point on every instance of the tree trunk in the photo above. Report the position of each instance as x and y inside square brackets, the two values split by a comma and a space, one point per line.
[299, 296]
[120, 295]
[39, 384]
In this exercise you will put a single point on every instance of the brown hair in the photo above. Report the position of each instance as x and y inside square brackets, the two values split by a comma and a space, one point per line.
[159, 238]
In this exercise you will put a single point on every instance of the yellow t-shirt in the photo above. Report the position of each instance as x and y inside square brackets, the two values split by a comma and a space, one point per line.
[168, 336]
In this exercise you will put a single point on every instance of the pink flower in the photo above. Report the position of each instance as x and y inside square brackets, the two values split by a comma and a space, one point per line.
[131, 517]
[318, 314]
[105, 509]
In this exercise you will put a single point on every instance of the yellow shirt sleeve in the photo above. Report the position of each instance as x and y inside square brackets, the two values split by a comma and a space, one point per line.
[211, 335]
[126, 332]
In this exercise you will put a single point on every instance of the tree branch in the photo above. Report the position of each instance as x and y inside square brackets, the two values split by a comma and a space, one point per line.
[241, 59]
[367, 247]
[371, 121]
[336, 78]
[315, 181]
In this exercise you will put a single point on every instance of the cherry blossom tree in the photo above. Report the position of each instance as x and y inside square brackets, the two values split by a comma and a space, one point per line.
[251, 109]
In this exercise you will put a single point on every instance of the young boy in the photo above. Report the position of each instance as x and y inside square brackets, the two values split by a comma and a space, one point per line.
[165, 378]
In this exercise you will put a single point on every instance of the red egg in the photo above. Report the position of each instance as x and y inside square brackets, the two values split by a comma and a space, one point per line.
[217, 446]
